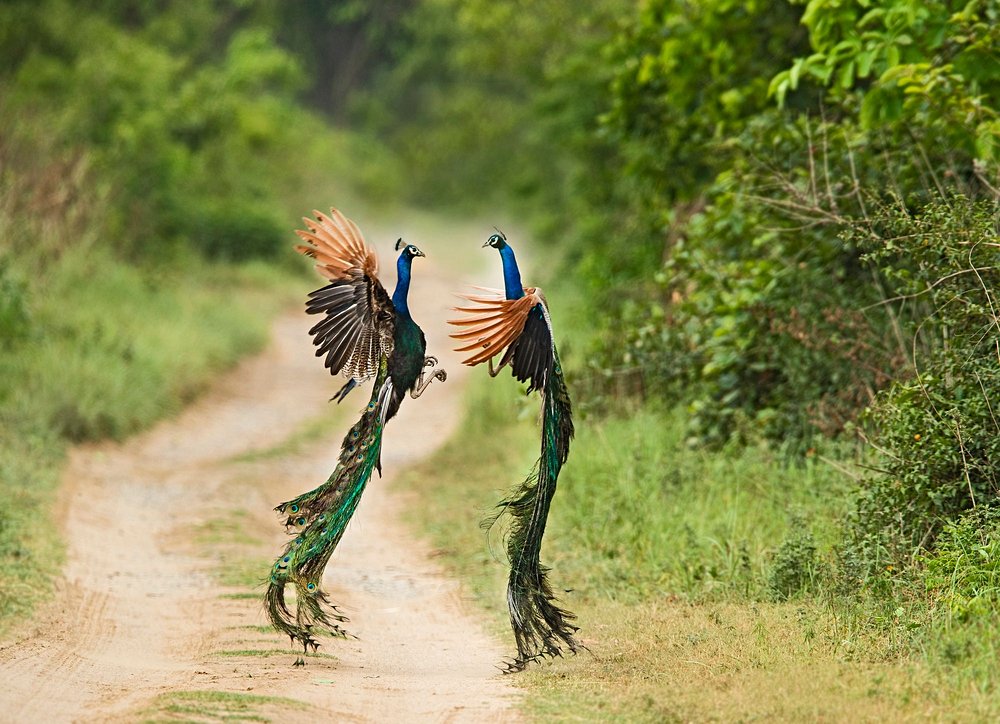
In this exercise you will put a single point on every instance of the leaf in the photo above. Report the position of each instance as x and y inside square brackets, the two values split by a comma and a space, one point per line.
[793, 73]
[892, 56]
[865, 60]
[779, 87]
[846, 77]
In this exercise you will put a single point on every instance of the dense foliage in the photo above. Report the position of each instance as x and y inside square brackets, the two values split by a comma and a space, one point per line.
[745, 167]
[782, 217]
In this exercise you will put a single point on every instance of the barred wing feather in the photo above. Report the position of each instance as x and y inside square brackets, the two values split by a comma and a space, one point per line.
[355, 332]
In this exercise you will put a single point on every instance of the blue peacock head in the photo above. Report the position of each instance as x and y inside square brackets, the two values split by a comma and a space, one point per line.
[409, 250]
[497, 241]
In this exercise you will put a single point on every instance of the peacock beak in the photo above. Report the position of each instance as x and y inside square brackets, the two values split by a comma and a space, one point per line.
[486, 244]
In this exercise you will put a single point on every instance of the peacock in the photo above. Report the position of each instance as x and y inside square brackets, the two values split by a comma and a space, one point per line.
[517, 322]
[363, 334]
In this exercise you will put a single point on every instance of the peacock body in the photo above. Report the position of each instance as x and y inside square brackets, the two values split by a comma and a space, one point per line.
[518, 325]
[363, 334]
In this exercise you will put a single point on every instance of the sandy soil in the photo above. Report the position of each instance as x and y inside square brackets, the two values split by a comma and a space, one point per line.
[141, 617]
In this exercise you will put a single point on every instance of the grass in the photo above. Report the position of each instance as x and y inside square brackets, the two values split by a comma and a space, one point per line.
[110, 349]
[267, 653]
[226, 540]
[671, 554]
[216, 706]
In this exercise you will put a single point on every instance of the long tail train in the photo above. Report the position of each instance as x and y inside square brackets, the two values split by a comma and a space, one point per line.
[541, 628]
[318, 520]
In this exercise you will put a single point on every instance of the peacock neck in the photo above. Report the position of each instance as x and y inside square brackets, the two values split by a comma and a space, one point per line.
[511, 274]
[403, 265]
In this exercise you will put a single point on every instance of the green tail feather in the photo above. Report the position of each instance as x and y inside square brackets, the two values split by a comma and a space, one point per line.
[541, 628]
[318, 520]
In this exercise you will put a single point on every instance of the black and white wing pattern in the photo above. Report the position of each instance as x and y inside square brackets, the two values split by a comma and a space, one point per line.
[355, 333]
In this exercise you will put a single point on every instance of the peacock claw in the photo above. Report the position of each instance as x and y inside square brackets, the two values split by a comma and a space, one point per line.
[299, 662]
[430, 361]
[423, 381]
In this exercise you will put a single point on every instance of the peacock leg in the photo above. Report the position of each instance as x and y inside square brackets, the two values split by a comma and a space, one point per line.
[495, 372]
[423, 381]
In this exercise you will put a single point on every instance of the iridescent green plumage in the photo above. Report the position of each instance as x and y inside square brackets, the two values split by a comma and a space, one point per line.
[541, 628]
[318, 520]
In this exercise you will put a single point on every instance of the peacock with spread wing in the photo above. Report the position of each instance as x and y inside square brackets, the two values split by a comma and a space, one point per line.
[363, 334]
[517, 323]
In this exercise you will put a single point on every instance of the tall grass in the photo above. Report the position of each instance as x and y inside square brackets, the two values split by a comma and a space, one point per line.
[638, 513]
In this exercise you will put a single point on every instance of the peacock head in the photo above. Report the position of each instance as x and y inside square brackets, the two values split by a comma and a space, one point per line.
[497, 241]
[409, 250]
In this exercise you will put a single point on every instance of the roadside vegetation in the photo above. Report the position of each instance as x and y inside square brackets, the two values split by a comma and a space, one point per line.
[776, 302]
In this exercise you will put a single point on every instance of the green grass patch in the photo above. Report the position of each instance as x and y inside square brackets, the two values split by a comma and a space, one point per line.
[637, 514]
[267, 653]
[241, 597]
[226, 539]
[312, 431]
[221, 706]
[227, 530]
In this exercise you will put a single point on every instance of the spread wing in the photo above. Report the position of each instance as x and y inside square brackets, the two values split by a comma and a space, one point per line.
[522, 326]
[355, 332]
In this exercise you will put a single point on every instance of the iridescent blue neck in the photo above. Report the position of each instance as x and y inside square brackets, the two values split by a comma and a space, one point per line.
[403, 265]
[511, 275]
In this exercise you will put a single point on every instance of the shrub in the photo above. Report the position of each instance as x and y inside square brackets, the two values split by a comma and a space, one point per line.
[936, 433]
[796, 565]
[235, 231]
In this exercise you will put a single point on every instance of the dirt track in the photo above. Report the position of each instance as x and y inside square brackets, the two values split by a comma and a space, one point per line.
[141, 619]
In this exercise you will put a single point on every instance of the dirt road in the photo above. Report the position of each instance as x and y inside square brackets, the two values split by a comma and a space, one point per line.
[158, 616]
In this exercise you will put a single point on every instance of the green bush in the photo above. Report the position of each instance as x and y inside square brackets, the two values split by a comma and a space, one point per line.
[795, 567]
[186, 148]
[235, 231]
[935, 432]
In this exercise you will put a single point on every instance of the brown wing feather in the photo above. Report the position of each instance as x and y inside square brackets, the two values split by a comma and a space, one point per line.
[498, 322]
[355, 330]
[337, 245]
